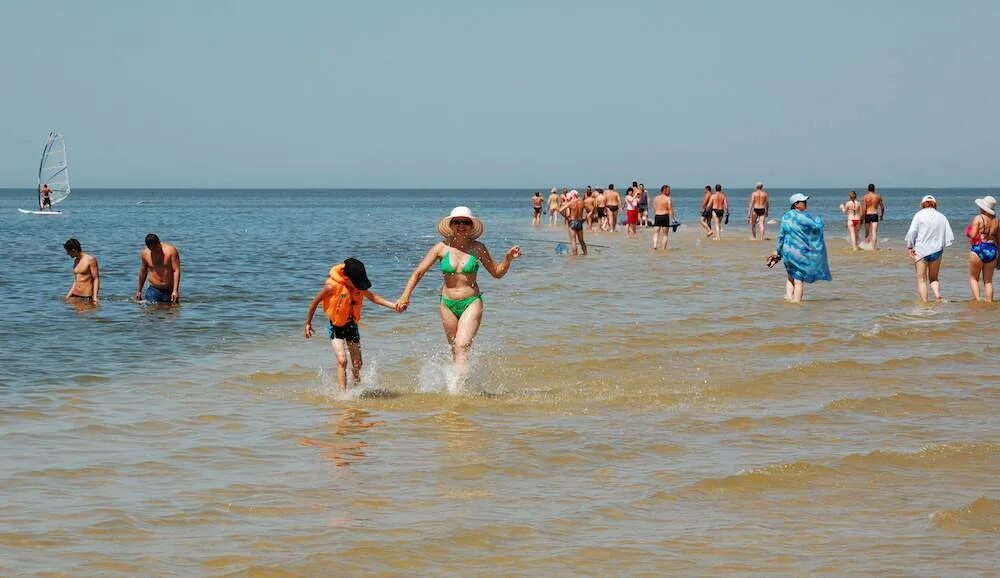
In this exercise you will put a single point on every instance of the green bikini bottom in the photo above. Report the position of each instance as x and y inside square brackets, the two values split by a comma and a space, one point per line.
[458, 306]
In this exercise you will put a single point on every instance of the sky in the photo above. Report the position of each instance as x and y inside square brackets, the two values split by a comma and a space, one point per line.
[478, 94]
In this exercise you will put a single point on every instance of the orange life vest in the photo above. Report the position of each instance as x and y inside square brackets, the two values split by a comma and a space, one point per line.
[343, 304]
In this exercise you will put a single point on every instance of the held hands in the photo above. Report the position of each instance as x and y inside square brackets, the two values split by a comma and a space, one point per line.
[402, 304]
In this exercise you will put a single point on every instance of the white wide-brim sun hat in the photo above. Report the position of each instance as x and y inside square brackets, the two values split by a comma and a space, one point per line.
[988, 204]
[444, 226]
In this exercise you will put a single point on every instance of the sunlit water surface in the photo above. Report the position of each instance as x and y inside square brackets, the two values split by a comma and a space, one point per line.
[629, 413]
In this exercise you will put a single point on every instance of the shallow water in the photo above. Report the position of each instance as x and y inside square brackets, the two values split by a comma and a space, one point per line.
[629, 413]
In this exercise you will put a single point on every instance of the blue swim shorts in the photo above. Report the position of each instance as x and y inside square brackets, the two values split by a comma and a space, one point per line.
[154, 295]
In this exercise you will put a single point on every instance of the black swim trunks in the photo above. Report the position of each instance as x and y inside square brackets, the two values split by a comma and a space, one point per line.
[706, 214]
[719, 212]
[538, 210]
[576, 224]
[348, 332]
[760, 211]
[872, 218]
[661, 220]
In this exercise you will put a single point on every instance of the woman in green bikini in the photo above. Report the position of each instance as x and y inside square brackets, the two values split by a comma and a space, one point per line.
[461, 255]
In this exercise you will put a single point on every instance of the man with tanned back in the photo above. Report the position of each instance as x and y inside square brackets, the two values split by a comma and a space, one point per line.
[601, 208]
[705, 220]
[613, 200]
[720, 207]
[874, 213]
[574, 223]
[536, 204]
[757, 212]
[161, 263]
[663, 214]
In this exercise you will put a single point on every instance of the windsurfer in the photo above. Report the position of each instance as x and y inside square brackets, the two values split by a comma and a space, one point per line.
[44, 197]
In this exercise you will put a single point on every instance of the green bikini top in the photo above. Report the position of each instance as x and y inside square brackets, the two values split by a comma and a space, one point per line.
[471, 266]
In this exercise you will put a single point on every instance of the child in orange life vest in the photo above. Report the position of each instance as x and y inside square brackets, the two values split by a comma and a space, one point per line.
[342, 296]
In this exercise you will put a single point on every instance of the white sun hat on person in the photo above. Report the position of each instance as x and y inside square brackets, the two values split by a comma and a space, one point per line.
[445, 228]
[988, 204]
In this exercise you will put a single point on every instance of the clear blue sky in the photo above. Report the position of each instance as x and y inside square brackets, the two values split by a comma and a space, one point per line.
[516, 93]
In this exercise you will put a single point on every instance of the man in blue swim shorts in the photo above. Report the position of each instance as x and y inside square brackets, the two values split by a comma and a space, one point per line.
[161, 264]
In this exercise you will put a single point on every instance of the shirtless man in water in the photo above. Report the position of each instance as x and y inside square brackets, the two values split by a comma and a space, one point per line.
[757, 212]
[574, 223]
[663, 214]
[720, 208]
[536, 204]
[601, 207]
[705, 219]
[162, 264]
[613, 201]
[86, 286]
[874, 212]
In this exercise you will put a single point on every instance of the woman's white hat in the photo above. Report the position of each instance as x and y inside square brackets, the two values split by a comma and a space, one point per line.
[444, 226]
[988, 204]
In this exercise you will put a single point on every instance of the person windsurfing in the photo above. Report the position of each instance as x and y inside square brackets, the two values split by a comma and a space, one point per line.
[44, 197]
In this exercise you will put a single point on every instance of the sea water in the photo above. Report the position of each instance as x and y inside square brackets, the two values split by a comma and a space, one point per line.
[631, 412]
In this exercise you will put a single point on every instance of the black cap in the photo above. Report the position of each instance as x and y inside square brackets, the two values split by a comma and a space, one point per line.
[355, 271]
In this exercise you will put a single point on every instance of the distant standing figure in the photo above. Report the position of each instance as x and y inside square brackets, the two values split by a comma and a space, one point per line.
[86, 285]
[161, 262]
[757, 212]
[589, 208]
[553, 207]
[720, 208]
[574, 210]
[802, 248]
[984, 236]
[632, 213]
[45, 197]
[643, 206]
[613, 200]
[342, 296]
[663, 214]
[852, 210]
[706, 211]
[926, 240]
[536, 204]
[874, 213]
[601, 208]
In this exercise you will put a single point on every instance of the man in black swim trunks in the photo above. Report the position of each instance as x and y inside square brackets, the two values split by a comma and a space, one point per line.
[574, 223]
[874, 212]
[663, 213]
[706, 211]
[536, 204]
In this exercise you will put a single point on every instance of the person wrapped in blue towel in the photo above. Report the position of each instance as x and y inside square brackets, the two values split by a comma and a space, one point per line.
[802, 248]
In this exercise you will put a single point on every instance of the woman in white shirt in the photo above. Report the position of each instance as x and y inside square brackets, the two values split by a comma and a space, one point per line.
[929, 234]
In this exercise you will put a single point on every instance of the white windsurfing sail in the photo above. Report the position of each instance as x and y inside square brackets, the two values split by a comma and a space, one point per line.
[53, 170]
